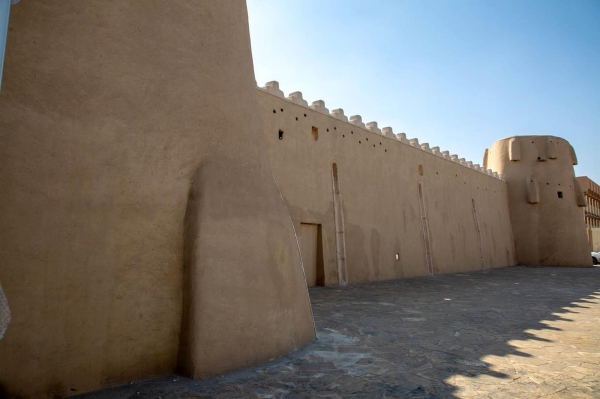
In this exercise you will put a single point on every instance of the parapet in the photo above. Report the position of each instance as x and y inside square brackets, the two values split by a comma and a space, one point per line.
[425, 147]
[357, 120]
[273, 88]
[402, 138]
[388, 132]
[319, 106]
[339, 114]
[296, 97]
[372, 127]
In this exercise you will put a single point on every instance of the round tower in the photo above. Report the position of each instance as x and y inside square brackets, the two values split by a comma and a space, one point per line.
[142, 230]
[544, 199]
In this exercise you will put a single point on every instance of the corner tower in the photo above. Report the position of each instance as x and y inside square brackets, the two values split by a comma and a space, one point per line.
[142, 230]
[544, 199]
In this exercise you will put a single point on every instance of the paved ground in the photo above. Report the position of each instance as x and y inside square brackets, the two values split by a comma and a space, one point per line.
[506, 333]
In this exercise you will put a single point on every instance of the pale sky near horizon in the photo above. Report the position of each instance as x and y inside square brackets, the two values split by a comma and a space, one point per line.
[457, 74]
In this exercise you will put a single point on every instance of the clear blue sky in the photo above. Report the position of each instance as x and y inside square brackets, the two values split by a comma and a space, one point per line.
[457, 74]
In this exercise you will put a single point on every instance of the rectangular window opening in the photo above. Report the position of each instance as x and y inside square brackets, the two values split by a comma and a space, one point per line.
[560, 194]
[280, 134]
[315, 133]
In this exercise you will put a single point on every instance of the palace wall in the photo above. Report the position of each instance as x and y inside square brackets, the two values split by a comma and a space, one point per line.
[457, 221]
[161, 214]
[142, 232]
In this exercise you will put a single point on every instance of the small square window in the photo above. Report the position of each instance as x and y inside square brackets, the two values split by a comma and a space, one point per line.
[560, 194]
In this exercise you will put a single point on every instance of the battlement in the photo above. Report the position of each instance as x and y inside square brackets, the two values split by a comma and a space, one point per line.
[272, 88]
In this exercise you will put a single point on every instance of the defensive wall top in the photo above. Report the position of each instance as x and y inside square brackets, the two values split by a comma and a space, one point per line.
[319, 106]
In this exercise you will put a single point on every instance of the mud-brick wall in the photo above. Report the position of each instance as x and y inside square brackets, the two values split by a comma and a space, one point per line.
[461, 223]
[546, 201]
[141, 226]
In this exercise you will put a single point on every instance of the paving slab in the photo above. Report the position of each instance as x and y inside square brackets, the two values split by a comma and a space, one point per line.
[503, 333]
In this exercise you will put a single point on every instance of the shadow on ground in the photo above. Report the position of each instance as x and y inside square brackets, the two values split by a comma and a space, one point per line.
[517, 332]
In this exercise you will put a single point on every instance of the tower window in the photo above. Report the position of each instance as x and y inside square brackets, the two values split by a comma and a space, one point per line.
[560, 194]
[280, 134]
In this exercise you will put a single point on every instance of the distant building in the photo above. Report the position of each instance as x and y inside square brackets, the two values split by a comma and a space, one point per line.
[592, 198]
[591, 191]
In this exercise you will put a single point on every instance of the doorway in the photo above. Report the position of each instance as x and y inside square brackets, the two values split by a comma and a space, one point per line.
[311, 249]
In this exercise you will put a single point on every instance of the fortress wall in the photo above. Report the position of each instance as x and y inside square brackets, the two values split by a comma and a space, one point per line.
[130, 136]
[545, 199]
[379, 179]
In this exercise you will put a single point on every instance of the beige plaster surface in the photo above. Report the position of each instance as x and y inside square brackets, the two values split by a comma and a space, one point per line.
[548, 230]
[378, 181]
[144, 234]
[140, 220]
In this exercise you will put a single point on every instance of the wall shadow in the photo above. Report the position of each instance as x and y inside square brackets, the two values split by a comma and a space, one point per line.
[503, 333]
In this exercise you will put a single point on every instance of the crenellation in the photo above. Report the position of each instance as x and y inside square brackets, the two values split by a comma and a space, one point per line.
[357, 120]
[273, 88]
[402, 138]
[388, 132]
[372, 127]
[415, 143]
[338, 113]
[296, 98]
[319, 106]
